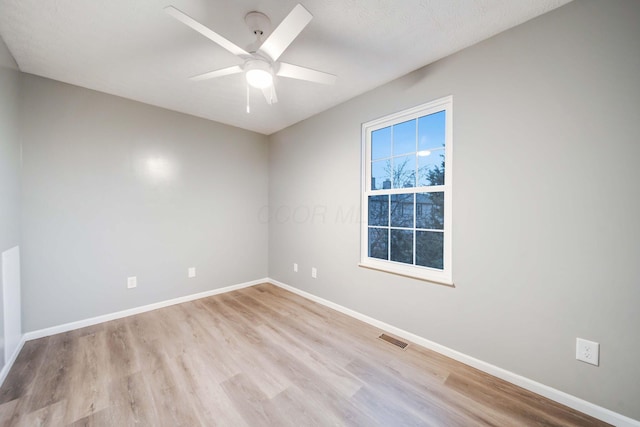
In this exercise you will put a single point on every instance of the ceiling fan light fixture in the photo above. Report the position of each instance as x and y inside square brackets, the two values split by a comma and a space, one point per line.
[258, 74]
[261, 65]
[259, 79]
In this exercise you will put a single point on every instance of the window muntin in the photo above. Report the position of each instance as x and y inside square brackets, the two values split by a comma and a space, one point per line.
[406, 200]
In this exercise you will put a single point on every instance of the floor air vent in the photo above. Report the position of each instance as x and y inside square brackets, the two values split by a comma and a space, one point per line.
[393, 341]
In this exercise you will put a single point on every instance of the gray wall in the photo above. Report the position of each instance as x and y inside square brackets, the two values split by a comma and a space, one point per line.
[9, 164]
[6, 59]
[95, 211]
[546, 203]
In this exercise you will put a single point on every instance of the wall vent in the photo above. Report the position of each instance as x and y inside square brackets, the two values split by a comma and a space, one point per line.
[393, 341]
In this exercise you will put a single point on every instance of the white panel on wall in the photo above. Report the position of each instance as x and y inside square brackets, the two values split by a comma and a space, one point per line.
[11, 298]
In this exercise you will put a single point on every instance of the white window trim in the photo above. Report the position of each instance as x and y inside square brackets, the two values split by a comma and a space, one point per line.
[445, 275]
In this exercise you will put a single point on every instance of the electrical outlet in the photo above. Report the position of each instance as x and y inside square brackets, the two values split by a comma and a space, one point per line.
[587, 351]
[295, 267]
[314, 272]
[191, 272]
[132, 282]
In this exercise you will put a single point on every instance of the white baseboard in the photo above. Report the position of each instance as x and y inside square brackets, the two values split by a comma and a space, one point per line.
[9, 362]
[566, 399]
[136, 310]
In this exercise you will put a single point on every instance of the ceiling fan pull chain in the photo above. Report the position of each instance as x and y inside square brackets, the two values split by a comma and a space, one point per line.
[248, 108]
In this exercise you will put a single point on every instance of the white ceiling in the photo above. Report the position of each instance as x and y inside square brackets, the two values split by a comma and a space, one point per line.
[134, 50]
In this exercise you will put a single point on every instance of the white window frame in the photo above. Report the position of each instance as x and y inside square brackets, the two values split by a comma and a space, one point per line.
[445, 275]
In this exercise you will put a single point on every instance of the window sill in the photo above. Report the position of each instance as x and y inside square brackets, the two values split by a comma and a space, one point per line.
[408, 274]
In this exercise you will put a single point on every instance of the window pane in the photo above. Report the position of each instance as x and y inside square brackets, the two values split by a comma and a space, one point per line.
[404, 138]
[379, 243]
[404, 171]
[402, 210]
[379, 210]
[431, 131]
[381, 175]
[402, 246]
[429, 249]
[431, 167]
[381, 143]
[429, 210]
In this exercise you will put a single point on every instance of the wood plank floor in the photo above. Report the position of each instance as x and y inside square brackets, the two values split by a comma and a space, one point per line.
[259, 356]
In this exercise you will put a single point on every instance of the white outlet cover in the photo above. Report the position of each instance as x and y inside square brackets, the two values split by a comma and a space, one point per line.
[191, 272]
[314, 272]
[132, 282]
[295, 267]
[588, 351]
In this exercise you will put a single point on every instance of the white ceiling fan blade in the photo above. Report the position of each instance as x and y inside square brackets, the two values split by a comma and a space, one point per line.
[211, 35]
[286, 32]
[218, 73]
[303, 73]
[270, 94]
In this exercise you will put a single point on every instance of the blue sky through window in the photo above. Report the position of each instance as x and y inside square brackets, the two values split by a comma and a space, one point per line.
[431, 131]
[406, 154]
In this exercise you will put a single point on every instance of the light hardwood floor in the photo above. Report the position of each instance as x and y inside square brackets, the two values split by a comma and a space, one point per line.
[259, 356]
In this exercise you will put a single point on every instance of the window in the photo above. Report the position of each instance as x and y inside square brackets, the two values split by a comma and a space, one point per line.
[406, 192]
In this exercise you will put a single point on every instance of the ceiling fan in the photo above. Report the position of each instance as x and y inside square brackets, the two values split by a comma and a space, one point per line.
[261, 63]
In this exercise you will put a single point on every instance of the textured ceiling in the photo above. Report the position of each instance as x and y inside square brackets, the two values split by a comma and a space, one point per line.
[134, 50]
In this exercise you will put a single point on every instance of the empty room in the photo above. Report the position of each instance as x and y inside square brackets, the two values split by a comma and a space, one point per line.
[314, 213]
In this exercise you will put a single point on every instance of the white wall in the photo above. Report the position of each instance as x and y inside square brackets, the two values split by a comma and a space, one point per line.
[95, 211]
[546, 203]
[9, 164]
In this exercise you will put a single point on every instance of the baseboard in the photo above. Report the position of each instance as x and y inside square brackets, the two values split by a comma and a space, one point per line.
[9, 363]
[566, 399]
[132, 311]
